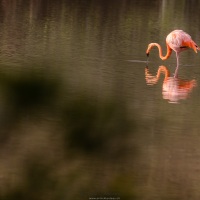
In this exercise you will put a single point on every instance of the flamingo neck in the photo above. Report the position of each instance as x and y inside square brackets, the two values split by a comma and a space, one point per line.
[169, 50]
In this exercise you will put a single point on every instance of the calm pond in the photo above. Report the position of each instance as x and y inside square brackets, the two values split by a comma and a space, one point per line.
[82, 113]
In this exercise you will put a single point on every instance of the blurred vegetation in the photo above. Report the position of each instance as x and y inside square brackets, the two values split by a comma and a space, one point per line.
[94, 124]
[24, 95]
[63, 149]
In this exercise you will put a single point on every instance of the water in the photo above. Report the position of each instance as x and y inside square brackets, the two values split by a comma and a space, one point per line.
[82, 113]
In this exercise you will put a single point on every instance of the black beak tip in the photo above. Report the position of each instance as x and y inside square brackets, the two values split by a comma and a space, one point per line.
[147, 54]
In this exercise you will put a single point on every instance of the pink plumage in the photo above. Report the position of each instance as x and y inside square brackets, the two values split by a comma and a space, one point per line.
[178, 41]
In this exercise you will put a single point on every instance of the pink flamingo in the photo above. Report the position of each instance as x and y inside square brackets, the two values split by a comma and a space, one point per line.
[178, 41]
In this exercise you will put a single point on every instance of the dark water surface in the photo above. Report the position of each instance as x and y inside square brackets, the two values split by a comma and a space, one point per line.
[82, 116]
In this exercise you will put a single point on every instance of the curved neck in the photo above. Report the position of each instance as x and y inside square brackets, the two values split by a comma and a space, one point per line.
[151, 80]
[163, 69]
[169, 50]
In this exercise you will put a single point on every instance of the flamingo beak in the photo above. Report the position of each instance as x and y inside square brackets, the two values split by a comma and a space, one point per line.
[147, 58]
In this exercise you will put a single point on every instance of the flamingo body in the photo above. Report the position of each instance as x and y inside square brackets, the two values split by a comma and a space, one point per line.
[177, 41]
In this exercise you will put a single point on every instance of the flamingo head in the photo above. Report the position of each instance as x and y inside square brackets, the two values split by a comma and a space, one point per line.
[148, 49]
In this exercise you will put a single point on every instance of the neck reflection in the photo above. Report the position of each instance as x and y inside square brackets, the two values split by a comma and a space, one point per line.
[173, 88]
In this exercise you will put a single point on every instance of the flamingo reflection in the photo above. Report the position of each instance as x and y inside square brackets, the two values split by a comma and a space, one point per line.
[173, 88]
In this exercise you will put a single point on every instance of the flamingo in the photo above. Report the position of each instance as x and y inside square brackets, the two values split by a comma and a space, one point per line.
[178, 41]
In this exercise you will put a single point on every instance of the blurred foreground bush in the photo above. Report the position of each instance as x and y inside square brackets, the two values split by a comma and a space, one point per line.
[55, 147]
[94, 125]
